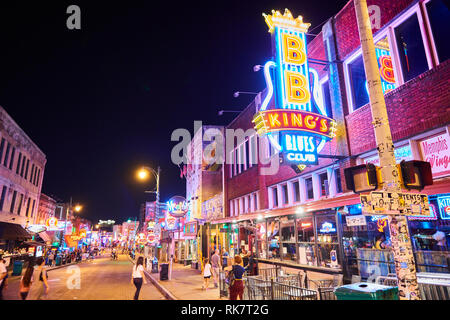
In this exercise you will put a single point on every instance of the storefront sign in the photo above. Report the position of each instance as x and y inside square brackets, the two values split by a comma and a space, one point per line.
[177, 206]
[36, 228]
[52, 223]
[411, 204]
[436, 151]
[444, 207]
[327, 227]
[354, 221]
[171, 222]
[303, 125]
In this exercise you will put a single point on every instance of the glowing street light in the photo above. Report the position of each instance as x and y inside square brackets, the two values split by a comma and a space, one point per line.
[143, 174]
[78, 208]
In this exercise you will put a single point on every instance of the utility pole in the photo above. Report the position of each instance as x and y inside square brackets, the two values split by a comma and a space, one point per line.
[398, 225]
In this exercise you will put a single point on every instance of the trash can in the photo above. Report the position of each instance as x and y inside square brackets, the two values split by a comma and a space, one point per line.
[366, 291]
[154, 266]
[164, 273]
[17, 268]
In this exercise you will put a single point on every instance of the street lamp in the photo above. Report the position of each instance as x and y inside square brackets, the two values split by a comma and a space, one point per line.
[143, 174]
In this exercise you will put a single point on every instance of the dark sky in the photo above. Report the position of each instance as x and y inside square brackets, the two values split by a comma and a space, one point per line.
[104, 100]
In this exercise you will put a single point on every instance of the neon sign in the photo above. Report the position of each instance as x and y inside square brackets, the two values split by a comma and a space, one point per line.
[303, 131]
[52, 222]
[444, 207]
[177, 206]
[327, 227]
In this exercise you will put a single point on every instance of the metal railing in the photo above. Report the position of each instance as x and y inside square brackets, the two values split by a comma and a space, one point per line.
[282, 291]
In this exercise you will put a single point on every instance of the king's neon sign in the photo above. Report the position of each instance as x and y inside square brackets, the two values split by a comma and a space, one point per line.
[303, 126]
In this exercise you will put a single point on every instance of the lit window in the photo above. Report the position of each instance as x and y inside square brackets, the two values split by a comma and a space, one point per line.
[439, 16]
[411, 51]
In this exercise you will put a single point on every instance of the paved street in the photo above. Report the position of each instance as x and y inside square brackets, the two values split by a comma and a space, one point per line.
[102, 279]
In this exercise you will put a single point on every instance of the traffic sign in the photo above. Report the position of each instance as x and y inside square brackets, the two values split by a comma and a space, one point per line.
[395, 203]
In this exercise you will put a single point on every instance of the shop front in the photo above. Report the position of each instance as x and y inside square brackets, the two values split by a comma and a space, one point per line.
[190, 244]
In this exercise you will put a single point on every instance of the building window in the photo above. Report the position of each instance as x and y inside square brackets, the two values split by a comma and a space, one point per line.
[358, 83]
[305, 236]
[32, 172]
[2, 146]
[288, 243]
[13, 202]
[231, 164]
[253, 150]
[327, 98]
[439, 16]
[337, 173]
[275, 197]
[296, 186]
[18, 163]
[19, 207]
[38, 176]
[411, 50]
[255, 199]
[273, 238]
[231, 208]
[284, 193]
[28, 207]
[5, 161]
[247, 153]
[26, 170]
[327, 239]
[23, 166]
[32, 208]
[324, 190]
[13, 153]
[2, 199]
[309, 189]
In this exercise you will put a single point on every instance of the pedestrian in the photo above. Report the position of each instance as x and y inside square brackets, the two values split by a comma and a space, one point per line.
[216, 265]
[26, 281]
[206, 273]
[244, 256]
[225, 256]
[237, 283]
[252, 267]
[138, 276]
[3, 276]
[40, 288]
[51, 256]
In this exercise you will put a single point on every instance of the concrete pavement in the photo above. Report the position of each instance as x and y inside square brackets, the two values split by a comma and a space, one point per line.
[101, 279]
[186, 284]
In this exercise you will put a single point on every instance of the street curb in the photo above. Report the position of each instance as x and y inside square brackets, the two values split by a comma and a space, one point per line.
[166, 293]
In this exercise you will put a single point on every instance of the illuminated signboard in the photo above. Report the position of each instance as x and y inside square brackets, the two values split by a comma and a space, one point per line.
[177, 206]
[327, 227]
[444, 207]
[52, 222]
[303, 126]
[190, 228]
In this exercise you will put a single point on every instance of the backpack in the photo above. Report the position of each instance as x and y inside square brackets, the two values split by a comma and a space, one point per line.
[230, 277]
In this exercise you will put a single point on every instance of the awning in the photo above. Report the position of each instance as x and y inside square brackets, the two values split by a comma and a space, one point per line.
[34, 244]
[44, 236]
[12, 231]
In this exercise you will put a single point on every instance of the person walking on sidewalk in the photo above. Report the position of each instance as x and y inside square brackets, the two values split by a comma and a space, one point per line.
[138, 276]
[237, 284]
[224, 258]
[206, 273]
[3, 276]
[40, 288]
[216, 265]
[26, 281]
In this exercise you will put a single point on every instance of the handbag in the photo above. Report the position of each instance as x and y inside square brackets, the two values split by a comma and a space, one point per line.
[230, 278]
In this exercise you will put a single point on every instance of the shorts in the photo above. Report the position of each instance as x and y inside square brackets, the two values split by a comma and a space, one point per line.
[207, 277]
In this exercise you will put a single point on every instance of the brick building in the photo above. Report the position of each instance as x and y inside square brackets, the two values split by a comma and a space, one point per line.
[299, 220]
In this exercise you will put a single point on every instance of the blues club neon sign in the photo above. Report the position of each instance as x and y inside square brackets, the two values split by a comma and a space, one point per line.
[288, 111]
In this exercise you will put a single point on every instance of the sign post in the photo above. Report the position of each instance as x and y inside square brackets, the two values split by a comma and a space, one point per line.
[398, 225]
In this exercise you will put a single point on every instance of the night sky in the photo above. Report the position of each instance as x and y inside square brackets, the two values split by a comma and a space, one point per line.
[104, 100]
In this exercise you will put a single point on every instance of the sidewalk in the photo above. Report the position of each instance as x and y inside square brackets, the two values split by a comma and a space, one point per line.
[186, 284]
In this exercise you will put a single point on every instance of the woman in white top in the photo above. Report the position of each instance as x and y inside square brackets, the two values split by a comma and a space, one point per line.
[206, 273]
[138, 276]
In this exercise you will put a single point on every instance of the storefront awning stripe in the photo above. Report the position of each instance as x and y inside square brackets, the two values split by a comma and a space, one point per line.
[12, 231]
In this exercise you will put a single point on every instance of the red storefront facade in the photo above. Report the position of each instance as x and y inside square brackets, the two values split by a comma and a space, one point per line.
[294, 213]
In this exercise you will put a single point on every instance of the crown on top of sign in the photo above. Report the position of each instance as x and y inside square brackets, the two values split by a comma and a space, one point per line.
[276, 19]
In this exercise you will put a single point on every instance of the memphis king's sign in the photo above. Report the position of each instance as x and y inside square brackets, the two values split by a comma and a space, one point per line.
[296, 123]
